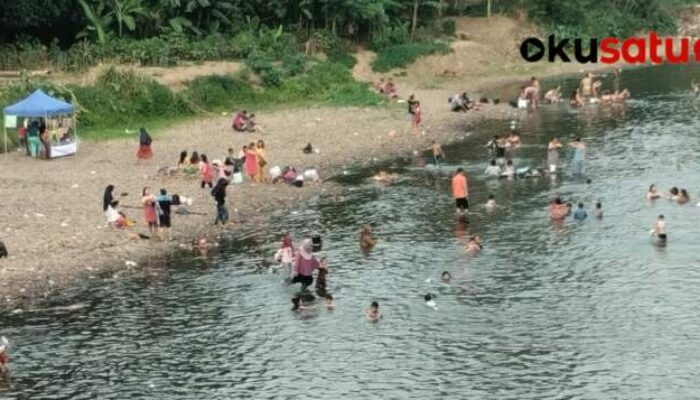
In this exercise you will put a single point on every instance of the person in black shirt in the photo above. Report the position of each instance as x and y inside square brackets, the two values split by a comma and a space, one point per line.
[219, 193]
[165, 203]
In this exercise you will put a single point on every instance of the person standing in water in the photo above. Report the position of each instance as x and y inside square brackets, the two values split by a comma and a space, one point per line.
[460, 191]
[305, 264]
[367, 242]
[660, 229]
[553, 154]
[219, 194]
[164, 207]
[580, 213]
[438, 154]
[579, 155]
[285, 255]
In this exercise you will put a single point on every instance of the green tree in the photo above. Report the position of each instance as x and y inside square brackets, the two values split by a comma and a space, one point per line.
[99, 18]
[125, 12]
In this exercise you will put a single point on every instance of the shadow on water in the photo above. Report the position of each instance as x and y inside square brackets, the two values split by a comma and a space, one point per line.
[575, 310]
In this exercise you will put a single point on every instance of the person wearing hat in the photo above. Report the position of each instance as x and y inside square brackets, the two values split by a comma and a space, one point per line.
[304, 265]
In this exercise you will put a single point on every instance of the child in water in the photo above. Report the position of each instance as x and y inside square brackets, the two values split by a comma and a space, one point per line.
[429, 301]
[446, 277]
[373, 313]
[491, 203]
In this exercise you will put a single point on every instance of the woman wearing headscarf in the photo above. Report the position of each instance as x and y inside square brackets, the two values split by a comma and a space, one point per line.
[107, 197]
[145, 141]
[285, 255]
[305, 264]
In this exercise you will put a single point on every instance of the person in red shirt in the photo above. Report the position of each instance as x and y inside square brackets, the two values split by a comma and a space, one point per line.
[460, 191]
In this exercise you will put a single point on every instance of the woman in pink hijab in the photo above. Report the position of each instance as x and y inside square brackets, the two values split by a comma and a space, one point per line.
[285, 255]
[305, 264]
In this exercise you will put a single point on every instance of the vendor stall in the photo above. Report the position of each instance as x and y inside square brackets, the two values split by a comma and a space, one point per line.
[58, 118]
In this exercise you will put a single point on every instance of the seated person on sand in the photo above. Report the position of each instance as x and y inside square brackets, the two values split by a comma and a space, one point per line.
[390, 89]
[367, 242]
[553, 96]
[385, 177]
[115, 217]
[461, 102]
[240, 121]
[251, 125]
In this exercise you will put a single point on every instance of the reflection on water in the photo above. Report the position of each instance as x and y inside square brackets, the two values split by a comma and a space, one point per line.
[576, 310]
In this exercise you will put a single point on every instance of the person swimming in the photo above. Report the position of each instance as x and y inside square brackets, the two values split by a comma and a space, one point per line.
[373, 314]
[474, 244]
[683, 197]
[385, 177]
[598, 212]
[446, 276]
[652, 193]
[429, 301]
[660, 229]
[491, 202]
[673, 194]
[580, 213]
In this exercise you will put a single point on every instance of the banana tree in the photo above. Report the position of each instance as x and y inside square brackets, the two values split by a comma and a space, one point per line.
[99, 18]
[125, 12]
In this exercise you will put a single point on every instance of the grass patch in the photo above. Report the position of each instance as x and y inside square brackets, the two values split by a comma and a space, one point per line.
[400, 55]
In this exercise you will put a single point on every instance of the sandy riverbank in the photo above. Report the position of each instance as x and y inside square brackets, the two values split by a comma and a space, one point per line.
[51, 219]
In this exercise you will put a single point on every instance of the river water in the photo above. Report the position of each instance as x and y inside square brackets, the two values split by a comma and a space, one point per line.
[588, 310]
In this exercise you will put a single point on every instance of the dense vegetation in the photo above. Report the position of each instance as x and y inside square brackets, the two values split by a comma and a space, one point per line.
[75, 34]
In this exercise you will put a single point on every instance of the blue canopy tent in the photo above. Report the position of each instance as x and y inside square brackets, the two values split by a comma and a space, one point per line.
[41, 105]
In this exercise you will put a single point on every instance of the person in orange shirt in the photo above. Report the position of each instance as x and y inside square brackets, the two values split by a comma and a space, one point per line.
[460, 191]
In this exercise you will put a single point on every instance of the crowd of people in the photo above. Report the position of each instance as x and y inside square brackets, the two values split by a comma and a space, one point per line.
[589, 91]
[36, 136]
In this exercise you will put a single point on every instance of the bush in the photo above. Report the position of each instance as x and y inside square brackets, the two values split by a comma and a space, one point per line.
[401, 55]
[391, 36]
[448, 27]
